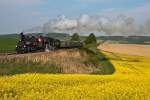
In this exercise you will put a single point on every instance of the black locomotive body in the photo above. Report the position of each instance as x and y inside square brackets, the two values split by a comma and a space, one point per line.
[41, 43]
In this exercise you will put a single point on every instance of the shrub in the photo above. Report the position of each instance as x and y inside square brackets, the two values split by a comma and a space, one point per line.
[91, 39]
[75, 37]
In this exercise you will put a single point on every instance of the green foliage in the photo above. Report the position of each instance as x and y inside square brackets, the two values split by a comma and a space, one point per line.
[104, 66]
[75, 37]
[91, 39]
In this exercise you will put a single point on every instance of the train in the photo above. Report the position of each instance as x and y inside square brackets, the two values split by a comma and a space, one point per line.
[29, 44]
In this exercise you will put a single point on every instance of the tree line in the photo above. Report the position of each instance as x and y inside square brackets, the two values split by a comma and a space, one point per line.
[91, 39]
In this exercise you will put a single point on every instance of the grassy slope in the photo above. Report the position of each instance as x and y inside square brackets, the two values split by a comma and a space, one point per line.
[129, 82]
[60, 61]
[104, 66]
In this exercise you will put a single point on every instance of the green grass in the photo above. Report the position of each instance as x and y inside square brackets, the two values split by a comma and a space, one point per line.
[22, 65]
[8, 44]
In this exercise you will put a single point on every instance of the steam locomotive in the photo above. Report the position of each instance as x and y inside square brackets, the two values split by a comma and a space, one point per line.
[42, 43]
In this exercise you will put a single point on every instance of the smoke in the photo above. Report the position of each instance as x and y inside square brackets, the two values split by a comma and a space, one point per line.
[97, 24]
[60, 24]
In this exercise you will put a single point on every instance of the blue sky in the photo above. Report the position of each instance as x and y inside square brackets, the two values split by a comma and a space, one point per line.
[18, 15]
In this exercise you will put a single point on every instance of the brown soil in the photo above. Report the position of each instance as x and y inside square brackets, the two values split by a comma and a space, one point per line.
[132, 49]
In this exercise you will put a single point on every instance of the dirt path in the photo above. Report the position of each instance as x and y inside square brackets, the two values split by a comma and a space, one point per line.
[132, 49]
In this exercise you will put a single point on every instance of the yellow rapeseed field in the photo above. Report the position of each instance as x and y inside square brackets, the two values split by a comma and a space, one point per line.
[131, 81]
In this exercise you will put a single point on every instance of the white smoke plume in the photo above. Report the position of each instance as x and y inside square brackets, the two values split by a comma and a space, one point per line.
[97, 24]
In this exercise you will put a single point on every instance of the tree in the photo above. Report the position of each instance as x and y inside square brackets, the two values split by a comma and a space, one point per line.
[91, 39]
[75, 37]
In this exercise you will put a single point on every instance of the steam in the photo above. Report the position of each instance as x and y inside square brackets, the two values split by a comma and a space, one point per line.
[97, 24]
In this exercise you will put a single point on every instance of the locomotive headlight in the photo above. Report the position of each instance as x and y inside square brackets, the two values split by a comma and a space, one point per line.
[16, 46]
[39, 39]
[24, 46]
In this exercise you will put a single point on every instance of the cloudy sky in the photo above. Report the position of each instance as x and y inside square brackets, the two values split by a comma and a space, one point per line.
[18, 15]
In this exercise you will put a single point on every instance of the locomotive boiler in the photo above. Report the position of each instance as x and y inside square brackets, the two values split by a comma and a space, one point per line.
[42, 43]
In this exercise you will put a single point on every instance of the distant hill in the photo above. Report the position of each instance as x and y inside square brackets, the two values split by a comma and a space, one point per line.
[53, 34]
[9, 35]
[126, 39]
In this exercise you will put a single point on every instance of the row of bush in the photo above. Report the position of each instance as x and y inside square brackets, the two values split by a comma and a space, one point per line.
[95, 56]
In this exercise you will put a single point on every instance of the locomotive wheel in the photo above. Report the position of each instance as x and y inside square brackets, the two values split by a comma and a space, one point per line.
[20, 52]
[19, 47]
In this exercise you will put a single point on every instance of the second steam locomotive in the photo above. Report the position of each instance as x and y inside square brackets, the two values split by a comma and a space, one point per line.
[42, 43]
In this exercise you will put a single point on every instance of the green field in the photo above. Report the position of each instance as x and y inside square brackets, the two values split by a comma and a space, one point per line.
[8, 43]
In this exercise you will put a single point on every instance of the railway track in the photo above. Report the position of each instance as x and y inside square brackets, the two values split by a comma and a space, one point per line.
[5, 54]
[15, 54]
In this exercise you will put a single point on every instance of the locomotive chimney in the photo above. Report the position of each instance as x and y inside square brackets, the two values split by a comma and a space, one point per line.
[22, 36]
